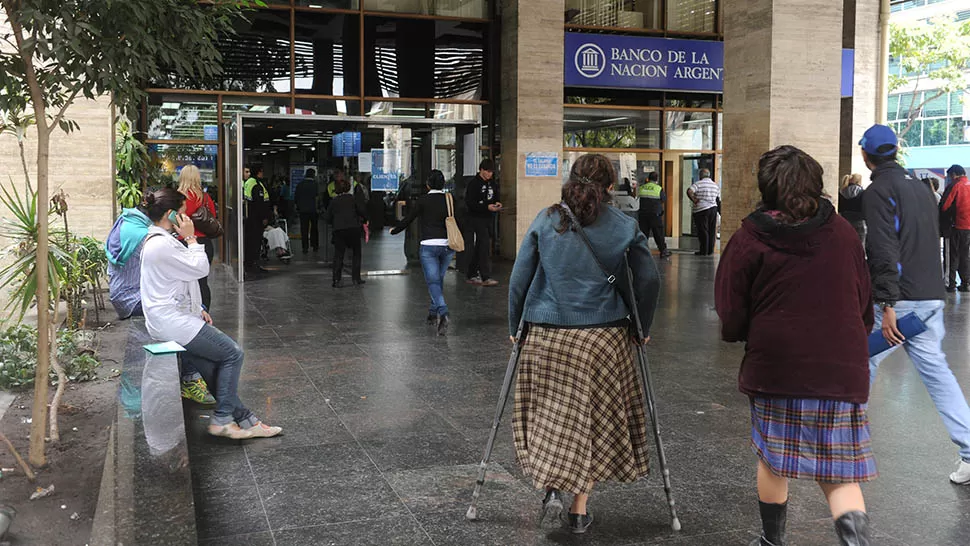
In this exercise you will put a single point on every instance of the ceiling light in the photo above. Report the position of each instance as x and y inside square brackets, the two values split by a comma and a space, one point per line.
[259, 108]
[294, 135]
[171, 105]
[277, 140]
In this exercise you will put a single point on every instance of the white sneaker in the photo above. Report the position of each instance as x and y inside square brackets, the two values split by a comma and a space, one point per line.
[962, 475]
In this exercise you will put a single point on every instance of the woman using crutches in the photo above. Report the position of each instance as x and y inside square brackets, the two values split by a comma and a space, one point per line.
[793, 284]
[579, 415]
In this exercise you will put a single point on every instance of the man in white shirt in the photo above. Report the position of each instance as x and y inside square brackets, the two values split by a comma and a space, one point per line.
[704, 194]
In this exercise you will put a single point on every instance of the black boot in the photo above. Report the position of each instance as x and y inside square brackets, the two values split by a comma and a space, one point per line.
[773, 520]
[853, 529]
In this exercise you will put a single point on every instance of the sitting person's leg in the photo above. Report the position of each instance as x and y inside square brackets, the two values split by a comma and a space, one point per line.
[215, 355]
[194, 387]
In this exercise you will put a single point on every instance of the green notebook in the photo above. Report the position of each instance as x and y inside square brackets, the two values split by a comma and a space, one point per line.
[164, 348]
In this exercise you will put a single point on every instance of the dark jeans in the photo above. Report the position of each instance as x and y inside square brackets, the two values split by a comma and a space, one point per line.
[478, 244]
[252, 241]
[344, 239]
[219, 360]
[435, 261]
[706, 222]
[652, 224]
[309, 231]
[204, 281]
[960, 256]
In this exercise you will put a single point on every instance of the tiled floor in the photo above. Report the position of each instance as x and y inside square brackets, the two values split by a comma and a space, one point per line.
[385, 424]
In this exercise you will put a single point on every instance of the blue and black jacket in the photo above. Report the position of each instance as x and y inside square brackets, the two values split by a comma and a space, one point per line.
[903, 242]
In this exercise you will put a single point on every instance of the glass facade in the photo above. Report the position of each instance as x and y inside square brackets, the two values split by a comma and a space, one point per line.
[943, 120]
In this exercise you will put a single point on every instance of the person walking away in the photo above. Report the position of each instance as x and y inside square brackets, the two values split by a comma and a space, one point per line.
[653, 202]
[794, 274]
[306, 204]
[432, 209]
[850, 204]
[172, 302]
[957, 207]
[346, 214]
[904, 262]
[579, 415]
[481, 202]
[934, 185]
[704, 194]
[190, 185]
[257, 217]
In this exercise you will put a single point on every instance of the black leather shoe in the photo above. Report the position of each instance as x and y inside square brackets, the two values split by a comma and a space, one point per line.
[551, 506]
[338, 284]
[853, 529]
[359, 282]
[579, 523]
[432, 319]
[443, 322]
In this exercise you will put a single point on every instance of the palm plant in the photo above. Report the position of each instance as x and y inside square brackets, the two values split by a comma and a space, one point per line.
[131, 164]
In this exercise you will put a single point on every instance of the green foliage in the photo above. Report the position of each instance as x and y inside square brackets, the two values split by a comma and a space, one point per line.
[97, 48]
[18, 357]
[20, 227]
[937, 51]
[86, 265]
[131, 163]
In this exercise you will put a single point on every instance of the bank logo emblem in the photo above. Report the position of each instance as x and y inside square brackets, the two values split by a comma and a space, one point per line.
[590, 60]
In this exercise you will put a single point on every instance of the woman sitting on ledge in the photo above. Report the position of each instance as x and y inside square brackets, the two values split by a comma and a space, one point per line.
[172, 302]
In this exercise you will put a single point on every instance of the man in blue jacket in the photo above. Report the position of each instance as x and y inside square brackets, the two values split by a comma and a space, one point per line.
[903, 249]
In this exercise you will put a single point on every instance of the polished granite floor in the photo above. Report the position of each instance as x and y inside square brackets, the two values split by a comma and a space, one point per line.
[385, 424]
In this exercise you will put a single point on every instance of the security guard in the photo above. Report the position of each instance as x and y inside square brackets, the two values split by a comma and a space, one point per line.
[653, 199]
[257, 215]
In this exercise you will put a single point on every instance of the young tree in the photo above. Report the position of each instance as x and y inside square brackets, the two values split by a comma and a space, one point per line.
[938, 53]
[55, 51]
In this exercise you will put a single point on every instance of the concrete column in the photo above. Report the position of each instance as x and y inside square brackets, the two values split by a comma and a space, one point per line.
[783, 62]
[865, 92]
[531, 109]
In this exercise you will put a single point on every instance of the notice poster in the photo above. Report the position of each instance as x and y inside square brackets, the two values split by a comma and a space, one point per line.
[385, 170]
[542, 164]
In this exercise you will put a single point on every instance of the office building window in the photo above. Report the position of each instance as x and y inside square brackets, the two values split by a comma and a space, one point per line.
[611, 129]
[636, 14]
[941, 121]
[691, 15]
[476, 9]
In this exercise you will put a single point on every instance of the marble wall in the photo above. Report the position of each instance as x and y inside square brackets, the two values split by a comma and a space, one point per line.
[531, 85]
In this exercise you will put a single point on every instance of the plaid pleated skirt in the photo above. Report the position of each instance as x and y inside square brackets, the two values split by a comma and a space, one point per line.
[822, 440]
[578, 416]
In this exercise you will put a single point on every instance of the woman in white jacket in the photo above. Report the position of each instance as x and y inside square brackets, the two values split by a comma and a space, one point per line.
[172, 302]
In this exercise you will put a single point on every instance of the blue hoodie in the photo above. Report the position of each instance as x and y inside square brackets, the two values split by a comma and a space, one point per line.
[126, 235]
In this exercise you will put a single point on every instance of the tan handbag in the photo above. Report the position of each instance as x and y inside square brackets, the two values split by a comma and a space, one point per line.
[455, 241]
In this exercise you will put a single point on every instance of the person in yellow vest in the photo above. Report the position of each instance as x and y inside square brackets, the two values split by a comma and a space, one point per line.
[653, 200]
[257, 215]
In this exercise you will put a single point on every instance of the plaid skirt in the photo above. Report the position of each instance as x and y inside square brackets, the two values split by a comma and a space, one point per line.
[822, 440]
[578, 416]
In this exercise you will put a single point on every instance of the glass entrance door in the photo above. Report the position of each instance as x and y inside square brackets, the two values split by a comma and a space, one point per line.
[690, 167]
[232, 220]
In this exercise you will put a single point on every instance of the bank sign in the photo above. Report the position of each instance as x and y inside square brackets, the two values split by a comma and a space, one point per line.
[625, 62]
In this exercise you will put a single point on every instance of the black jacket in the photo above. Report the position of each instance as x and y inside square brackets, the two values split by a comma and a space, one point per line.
[345, 212]
[306, 196]
[479, 195]
[432, 209]
[903, 244]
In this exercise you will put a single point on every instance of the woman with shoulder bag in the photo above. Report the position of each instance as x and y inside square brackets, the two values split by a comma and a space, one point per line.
[433, 208]
[190, 185]
[579, 415]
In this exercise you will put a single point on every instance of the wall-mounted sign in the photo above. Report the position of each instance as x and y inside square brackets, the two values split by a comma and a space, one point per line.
[543, 164]
[385, 170]
[603, 60]
[848, 72]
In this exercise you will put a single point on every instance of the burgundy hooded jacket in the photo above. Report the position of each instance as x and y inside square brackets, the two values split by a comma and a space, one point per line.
[799, 295]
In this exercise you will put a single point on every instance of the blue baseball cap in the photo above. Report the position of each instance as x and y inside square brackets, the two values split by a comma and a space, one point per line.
[877, 137]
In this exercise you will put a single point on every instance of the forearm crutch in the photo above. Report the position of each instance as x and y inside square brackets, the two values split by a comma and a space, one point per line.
[648, 396]
[503, 398]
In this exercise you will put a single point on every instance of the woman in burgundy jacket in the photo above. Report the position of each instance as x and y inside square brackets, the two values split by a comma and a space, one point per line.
[793, 284]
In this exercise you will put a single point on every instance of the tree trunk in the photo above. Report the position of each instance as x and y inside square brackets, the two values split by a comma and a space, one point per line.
[55, 433]
[37, 453]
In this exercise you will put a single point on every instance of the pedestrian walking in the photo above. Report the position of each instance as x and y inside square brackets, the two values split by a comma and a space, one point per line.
[346, 214]
[579, 415]
[792, 275]
[436, 256]
[481, 201]
[904, 261]
[306, 197]
[705, 194]
[172, 302]
[957, 208]
[653, 204]
[850, 204]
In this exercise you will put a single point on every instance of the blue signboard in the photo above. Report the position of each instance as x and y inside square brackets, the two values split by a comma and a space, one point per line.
[636, 62]
[211, 132]
[385, 175]
[848, 72]
[346, 144]
[542, 164]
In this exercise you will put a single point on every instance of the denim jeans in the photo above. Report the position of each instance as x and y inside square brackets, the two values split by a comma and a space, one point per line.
[219, 359]
[435, 261]
[926, 352]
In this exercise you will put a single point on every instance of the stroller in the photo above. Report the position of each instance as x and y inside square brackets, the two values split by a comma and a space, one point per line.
[276, 237]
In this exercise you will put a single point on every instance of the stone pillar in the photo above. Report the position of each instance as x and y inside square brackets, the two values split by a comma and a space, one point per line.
[782, 63]
[531, 110]
[865, 92]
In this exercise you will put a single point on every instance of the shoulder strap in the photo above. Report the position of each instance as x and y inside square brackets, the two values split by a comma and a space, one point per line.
[451, 205]
[610, 278]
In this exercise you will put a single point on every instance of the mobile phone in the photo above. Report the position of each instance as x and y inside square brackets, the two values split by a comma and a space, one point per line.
[173, 217]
